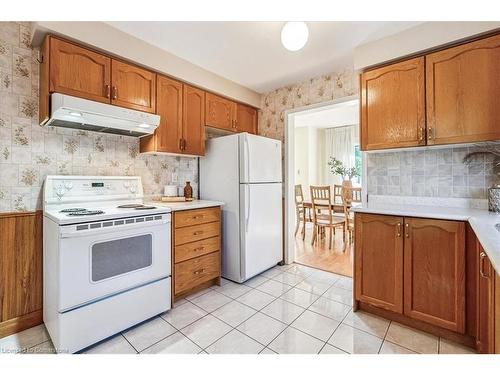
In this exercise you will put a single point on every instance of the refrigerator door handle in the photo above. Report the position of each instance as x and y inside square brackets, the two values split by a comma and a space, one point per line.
[247, 148]
[247, 208]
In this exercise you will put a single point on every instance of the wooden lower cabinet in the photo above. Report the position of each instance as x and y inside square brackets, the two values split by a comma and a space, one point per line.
[196, 244]
[413, 267]
[378, 261]
[485, 337]
[434, 272]
[20, 271]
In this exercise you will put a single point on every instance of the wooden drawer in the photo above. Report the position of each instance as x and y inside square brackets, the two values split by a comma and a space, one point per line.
[194, 217]
[196, 249]
[196, 233]
[196, 271]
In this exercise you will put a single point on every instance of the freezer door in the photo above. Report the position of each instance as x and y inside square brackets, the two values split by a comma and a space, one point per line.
[260, 159]
[261, 224]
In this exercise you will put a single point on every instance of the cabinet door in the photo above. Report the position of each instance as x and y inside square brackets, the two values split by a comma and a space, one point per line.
[393, 106]
[194, 121]
[219, 112]
[485, 338]
[246, 119]
[434, 272]
[168, 135]
[133, 87]
[79, 72]
[463, 88]
[378, 261]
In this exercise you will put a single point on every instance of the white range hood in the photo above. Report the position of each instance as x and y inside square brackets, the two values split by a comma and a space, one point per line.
[75, 113]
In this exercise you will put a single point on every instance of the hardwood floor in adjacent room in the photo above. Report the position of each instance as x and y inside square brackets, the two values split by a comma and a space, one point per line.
[319, 256]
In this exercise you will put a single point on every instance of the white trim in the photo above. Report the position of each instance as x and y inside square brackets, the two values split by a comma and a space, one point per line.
[289, 133]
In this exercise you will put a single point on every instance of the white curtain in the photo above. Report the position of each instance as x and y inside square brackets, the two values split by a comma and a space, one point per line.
[339, 144]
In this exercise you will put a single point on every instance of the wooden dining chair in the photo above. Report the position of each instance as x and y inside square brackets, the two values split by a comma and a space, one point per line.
[323, 215]
[349, 195]
[302, 213]
[337, 194]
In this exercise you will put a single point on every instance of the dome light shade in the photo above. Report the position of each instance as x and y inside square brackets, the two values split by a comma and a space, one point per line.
[294, 35]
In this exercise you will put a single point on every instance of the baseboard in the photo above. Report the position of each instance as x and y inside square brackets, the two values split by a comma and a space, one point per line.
[21, 323]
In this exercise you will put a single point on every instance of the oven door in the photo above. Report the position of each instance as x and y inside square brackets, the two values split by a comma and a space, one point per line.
[101, 259]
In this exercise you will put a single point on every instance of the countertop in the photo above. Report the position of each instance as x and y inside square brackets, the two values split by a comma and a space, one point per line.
[482, 221]
[182, 206]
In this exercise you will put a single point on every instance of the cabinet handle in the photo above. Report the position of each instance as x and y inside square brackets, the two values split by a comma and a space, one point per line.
[407, 230]
[482, 256]
[197, 272]
[399, 229]
[197, 233]
[184, 143]
[421, 138]
[430, 134]
[198, 249]
[180, 144]
[115, 92]
[108, 91]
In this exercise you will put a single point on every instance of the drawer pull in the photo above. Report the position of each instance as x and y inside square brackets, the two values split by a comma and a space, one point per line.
[197, 233]
[199, 249]
[197, 272]
[399, 229]
[196, 217]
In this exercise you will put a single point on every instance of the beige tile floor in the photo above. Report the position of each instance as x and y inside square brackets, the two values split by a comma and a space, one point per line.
[289, 309]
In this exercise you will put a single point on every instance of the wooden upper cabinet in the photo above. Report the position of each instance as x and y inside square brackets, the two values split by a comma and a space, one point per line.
[133, 87]
[463, 91]
[434, 272]
[378, 261]
[393, 106]
[220, 112]
[77, 71]
[168, 135]
[194, 121]
[246, 118]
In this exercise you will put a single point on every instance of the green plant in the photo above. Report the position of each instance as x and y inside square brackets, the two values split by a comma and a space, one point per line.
[338, 168]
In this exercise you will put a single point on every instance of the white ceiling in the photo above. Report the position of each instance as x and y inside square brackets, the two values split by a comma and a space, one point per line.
[331, 116]
[251, 54]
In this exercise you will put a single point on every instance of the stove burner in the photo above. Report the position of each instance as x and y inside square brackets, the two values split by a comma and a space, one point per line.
[86, 213]
[145, 208]
[67, 210]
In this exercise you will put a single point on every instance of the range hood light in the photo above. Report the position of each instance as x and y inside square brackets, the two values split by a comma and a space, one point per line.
[145, 126]
[76, 114]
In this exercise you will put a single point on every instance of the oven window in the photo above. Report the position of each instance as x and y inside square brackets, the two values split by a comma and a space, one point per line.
[116, 257]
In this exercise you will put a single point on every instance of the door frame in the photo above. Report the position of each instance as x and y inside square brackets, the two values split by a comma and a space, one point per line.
[289, 165]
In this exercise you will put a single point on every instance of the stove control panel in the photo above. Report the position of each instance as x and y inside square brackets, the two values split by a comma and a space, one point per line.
[80, 188]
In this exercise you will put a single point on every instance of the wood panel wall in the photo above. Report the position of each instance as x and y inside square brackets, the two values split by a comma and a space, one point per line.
[21, 263]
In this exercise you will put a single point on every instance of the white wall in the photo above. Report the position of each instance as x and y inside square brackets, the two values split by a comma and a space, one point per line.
[416, 39]
[115, 42]
[309, 154]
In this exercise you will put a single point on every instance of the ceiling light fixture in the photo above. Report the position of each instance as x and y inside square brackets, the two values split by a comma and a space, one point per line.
[294, 35]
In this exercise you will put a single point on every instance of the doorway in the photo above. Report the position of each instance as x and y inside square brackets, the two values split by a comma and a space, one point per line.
[314, 136]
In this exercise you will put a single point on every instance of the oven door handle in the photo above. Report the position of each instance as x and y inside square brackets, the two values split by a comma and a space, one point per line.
[113, 229]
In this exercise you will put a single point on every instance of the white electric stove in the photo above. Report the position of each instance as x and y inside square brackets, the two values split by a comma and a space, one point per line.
[107, 258]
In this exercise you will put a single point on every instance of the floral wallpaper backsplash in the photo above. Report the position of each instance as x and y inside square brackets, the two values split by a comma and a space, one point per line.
[29, 152]
[324, 88]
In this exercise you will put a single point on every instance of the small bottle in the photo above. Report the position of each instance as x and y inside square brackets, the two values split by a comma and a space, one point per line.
[188, 191]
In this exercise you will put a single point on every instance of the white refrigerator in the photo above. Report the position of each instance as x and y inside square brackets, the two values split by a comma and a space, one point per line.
[244, 171]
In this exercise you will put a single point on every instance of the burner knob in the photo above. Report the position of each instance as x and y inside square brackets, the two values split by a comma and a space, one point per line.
[133, 189]
[68, 185]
